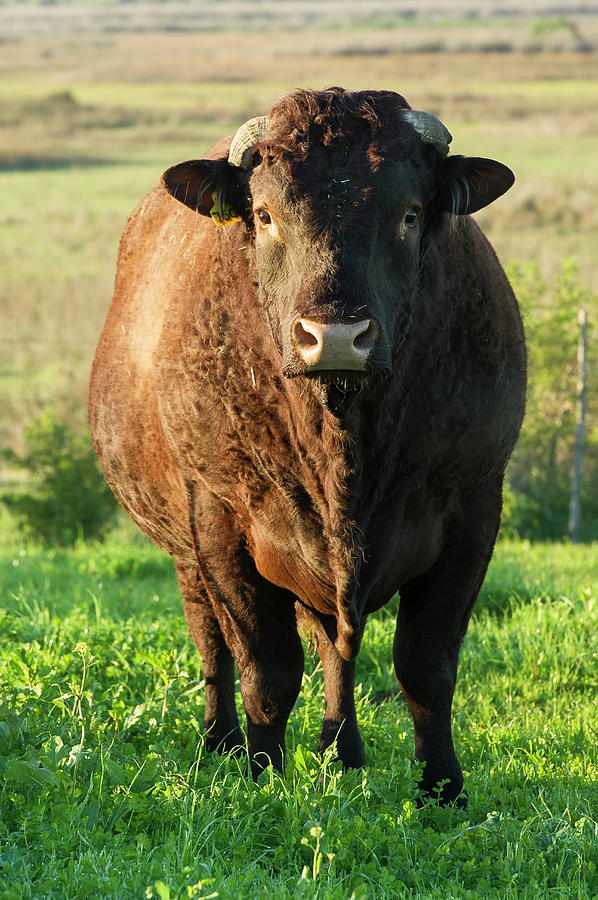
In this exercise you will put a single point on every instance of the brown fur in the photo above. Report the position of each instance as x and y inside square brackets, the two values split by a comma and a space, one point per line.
[287, 498]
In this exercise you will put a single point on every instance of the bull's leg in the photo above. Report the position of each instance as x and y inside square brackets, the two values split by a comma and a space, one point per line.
[254, 622]
[220, 718]
[340, 717]
[258, 625]
[269, 657]
[433, 615]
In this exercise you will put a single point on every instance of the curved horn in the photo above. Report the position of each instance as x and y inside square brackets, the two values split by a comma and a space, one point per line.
[430, 129]
[245, 140]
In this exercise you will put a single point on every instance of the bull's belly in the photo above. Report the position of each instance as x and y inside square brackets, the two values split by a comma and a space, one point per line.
[405, 550]
[385, 556]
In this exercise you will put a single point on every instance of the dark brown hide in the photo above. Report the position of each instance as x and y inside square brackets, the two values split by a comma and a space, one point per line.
[289, 500]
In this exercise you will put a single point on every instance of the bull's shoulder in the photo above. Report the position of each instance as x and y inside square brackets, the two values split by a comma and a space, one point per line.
[468, 349]
[159, 209]
[460, 251]
[158, 215]
[490, 312]
[466, 287]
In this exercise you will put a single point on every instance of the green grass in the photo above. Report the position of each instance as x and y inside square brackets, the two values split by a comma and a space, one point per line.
[105, 786]
[107, 790]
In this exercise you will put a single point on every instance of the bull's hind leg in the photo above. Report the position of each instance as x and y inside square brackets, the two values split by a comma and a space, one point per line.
[340, 717]
[220, 719]
[433, 615]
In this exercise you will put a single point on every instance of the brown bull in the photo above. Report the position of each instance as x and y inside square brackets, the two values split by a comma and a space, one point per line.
[313, 408]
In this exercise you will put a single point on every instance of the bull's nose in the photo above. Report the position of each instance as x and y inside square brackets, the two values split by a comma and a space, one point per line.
[334, 345]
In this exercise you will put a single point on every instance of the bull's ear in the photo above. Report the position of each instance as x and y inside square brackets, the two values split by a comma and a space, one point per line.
[210, 187]
[468, 183]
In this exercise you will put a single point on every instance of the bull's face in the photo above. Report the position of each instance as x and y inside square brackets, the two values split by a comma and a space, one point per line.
[341, 192]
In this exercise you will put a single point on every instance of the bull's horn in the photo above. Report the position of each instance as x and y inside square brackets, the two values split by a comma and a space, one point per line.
[430, 129]
[245, 140]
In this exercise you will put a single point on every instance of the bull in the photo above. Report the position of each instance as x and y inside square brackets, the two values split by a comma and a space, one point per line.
[311, 408]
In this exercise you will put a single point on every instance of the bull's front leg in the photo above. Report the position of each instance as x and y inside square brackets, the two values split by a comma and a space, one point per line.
[340, 717]
[258, 622]
[257, 627]
[269, 657]
[220, 717]
[433, 615]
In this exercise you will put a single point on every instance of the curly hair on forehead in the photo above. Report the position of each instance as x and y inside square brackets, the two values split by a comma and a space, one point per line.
[330, 117]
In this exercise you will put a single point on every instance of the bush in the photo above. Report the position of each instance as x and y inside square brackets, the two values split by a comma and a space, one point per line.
[539, 474]
[67, 496]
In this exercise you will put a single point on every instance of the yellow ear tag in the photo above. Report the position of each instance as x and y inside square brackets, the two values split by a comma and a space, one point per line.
[230, 216]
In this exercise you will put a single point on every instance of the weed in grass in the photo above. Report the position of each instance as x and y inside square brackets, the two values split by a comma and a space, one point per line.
[68, 496]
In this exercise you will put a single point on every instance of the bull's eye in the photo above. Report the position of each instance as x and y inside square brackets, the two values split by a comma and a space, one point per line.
[264, 218]
[409, 222]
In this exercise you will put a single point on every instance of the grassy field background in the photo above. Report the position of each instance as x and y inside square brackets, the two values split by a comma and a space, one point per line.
[105, 786]
[95, 104]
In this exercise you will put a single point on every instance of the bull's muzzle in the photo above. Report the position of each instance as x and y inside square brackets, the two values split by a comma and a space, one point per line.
[334, 346]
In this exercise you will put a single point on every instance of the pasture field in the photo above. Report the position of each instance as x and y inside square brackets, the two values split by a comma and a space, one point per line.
[96, 100]
[107, 790]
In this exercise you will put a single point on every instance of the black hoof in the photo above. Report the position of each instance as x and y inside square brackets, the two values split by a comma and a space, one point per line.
[462, 800]
[233, 742]
[349, 745]
[443, 796]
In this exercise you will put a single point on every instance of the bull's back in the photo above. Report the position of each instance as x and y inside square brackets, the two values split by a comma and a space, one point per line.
[124, 415]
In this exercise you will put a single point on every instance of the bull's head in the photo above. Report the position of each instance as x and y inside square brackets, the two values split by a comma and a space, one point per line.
[342, 193]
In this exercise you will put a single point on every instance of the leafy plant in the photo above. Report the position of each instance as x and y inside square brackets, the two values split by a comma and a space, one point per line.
[547, 26]
[66, 495]
[539, 475]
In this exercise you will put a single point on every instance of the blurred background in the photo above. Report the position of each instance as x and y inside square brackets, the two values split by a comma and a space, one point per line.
[98, 98]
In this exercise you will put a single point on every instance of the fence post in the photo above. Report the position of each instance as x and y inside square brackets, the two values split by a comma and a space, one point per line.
[580, 424]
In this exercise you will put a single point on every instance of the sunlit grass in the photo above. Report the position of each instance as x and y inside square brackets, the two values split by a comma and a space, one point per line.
[108, 790]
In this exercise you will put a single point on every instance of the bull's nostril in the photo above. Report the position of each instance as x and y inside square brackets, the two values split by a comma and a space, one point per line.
[303, 338]
[366, 340]
[334, 346]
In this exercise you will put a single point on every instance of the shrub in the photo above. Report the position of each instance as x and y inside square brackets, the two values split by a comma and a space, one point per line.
[539, 474]
[66, 496]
